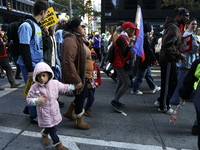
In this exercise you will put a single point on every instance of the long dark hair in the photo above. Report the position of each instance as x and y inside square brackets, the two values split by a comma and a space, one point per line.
[72, 24]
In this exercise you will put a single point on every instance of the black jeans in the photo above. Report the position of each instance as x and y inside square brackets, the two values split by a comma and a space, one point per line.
[198, 122]
[52, 132]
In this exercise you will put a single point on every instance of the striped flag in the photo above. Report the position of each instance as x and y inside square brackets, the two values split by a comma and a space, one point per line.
[138, 47]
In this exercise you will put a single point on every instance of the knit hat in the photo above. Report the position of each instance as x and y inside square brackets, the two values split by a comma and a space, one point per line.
[128, 25]
[96, 33]
[93, 54]
[181, 11]
[62, 19]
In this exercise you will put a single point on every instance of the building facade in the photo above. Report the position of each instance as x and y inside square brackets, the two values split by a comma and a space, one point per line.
[13, 10]
[115, 10]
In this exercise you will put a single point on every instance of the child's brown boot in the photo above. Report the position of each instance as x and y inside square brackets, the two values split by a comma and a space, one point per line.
[45, 139]
[59, 146]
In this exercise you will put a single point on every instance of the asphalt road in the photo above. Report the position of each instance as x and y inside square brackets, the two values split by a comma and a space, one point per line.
[142, 127]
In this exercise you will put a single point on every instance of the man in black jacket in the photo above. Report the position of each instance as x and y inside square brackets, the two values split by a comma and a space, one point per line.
[169, 55]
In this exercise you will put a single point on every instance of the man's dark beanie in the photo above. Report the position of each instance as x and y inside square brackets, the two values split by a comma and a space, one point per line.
[181, 11]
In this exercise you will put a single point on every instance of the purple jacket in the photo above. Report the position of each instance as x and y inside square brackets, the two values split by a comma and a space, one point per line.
[97, 42]
[48, 112]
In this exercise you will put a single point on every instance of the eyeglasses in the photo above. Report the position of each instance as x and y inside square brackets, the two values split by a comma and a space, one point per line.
[194, 23]
[83, 26]
[187, 16]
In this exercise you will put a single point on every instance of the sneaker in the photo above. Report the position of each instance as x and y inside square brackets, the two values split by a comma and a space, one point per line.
[2, 76]
[157, 103]
[1, 89]
[121, 105]
[155, 90]
[137, 92]
[15, 85]
[88, 112]
[18, 78]
[169, 111]
[114, 104]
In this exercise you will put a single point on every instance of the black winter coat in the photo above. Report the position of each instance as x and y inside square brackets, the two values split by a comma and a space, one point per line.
[149, 54]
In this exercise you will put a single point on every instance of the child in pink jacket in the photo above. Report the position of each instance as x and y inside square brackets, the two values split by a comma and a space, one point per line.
[44, 94]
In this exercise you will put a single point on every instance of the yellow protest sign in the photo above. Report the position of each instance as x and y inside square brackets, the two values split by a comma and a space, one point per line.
[28, 85]
[51, 18]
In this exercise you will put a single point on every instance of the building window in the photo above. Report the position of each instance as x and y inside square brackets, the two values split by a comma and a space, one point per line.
[14, 4]
[4, 3]
[112, 5]
[130, 4]
[18, 6]
[22, 7]
[149, 4]
[30, 9]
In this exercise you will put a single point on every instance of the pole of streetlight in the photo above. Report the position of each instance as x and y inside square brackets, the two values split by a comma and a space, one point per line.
[70, 8]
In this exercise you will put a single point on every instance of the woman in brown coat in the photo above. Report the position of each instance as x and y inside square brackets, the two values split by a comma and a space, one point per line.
[76, 68]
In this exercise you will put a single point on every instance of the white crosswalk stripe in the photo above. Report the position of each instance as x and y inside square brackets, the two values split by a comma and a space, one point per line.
[70, 141]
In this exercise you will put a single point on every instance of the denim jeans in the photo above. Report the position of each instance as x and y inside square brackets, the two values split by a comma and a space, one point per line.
[90, 99]
[141, 73]
[181, 75]
[52, 132]
[32, 109]
[103, 60]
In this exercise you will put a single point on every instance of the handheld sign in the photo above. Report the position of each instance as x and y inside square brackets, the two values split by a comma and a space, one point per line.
[28, 85]
[51, 18]
[187, 44]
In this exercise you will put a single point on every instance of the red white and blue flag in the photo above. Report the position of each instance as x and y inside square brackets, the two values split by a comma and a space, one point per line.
[138, 47]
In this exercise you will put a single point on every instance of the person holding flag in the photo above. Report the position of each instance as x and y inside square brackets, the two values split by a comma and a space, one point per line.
[123, 54]
[144, 67]
[138, 47]
[170, 54]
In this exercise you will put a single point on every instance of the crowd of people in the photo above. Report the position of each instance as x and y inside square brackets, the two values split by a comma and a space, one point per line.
[62, 59]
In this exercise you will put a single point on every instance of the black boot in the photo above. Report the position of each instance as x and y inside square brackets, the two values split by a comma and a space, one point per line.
[26, 110]
[33, 120]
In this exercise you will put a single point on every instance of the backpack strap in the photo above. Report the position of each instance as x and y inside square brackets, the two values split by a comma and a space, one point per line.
[33, 28]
